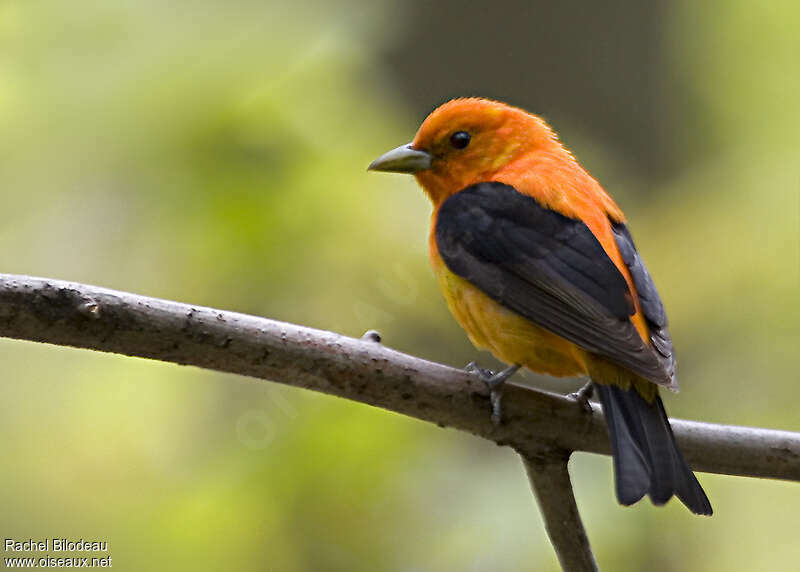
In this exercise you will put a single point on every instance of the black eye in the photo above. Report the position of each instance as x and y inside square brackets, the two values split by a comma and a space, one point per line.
[459, 139]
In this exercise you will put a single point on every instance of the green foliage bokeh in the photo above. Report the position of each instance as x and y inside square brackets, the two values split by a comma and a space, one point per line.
[215, 153]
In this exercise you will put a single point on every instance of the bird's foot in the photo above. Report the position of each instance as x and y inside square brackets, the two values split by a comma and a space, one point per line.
[582, 396]
[495, 383]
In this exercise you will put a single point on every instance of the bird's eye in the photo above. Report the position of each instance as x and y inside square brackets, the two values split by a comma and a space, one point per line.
[459, 139]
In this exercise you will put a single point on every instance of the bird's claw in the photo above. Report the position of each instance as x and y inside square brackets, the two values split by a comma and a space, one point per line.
[495, 383]
[582, 396]
[483, 374]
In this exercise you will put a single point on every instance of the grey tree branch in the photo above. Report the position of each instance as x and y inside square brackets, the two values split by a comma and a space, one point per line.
[549, 478]
[78, 315]
[538, 425]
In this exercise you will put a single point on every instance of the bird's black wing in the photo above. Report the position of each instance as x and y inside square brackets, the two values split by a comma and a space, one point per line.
[550, 269]
[649, 300]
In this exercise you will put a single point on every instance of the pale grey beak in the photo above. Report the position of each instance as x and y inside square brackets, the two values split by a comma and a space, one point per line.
[403, 159]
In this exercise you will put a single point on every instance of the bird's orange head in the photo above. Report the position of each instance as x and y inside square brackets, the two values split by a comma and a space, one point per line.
[465, 141]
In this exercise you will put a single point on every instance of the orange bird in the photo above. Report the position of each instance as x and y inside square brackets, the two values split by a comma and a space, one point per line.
[537, 265]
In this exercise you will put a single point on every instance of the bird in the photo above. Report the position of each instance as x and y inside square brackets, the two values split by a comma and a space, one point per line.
[537, 264]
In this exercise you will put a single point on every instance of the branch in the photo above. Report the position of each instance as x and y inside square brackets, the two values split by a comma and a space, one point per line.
[550, 481]
[542, 427]
[78, 315]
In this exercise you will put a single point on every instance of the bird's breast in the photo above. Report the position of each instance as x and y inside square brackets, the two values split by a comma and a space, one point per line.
[507, 335]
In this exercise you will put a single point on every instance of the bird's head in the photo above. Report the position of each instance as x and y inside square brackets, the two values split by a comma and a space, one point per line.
[466, 141]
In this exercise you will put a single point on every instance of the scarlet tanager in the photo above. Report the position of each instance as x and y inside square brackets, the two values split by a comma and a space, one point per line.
[537, 265]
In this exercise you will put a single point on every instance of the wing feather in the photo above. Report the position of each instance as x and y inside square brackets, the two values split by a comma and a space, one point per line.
[552, 270]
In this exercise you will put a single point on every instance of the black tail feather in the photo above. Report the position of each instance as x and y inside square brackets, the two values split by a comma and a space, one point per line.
[646, 457]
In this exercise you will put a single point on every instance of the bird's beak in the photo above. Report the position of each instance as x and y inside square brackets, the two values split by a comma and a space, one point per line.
[403, 159]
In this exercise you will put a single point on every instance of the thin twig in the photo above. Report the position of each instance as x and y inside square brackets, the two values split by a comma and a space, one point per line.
[549, 478]
[78, 315]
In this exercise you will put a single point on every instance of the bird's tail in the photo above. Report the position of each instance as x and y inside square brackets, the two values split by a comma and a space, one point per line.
[646, 458]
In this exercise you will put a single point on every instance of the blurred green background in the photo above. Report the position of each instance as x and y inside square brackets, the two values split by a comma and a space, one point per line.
[215, 153]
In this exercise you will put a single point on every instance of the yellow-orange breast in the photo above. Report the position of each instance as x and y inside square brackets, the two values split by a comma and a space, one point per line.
[508, 336]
